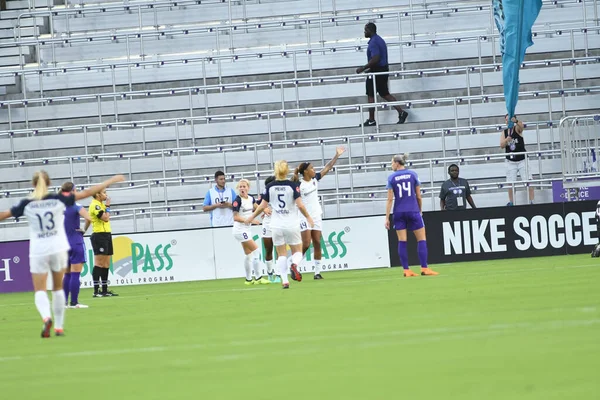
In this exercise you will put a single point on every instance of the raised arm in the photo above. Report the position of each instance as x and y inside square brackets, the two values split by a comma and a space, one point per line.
[89, 192]
[338, 152]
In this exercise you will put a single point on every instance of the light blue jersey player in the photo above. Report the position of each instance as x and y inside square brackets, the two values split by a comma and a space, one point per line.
[283, 197]
[404, 191]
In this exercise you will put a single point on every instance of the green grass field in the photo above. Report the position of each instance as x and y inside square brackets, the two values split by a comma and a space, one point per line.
[509, 329]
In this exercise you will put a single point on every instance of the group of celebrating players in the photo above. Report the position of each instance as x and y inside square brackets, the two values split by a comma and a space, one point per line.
[292, 217]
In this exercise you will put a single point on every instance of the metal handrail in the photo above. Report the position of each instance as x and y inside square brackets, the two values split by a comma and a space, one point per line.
[307, 51]
[291, 82]
[286, 113]
[337, 197]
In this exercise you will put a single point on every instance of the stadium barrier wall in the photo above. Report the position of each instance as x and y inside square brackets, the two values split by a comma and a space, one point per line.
[203, 254]
[505, 232]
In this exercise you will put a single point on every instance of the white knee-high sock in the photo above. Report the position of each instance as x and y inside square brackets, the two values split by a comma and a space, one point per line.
[296, 258]
[269, 266]
[317, 267]
[248, 266]
[42, 303]
[283, 269]
[58, 306]
[257, 266]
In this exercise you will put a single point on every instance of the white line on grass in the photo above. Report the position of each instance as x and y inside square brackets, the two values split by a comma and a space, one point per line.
[357, 338]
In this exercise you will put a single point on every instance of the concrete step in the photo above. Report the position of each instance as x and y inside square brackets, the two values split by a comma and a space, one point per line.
[14, 51]
[26, 4]
[8, 35]
[12, 61]
[25, 22]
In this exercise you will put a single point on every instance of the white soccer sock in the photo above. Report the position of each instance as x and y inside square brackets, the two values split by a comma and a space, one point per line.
[296, 258]
[269, 266]
[317, 267]
[256, 264]
[58, 306]
[283, 269]
[42, 303]
[248, 266]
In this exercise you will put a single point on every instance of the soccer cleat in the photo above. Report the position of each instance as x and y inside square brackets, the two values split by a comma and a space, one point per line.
[47, 327]
[262, 281]
[109, 294]
[59, 332]
[370, 122]
[249, 283]
[509, 204]
[402, 117]
[285, 286]
[318, 276]
[428, 272]
[274, 278]
[296, 275]
[97, 295]
[77, 306]
[408, 273]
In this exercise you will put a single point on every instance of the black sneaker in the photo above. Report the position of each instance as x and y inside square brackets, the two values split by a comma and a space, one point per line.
[109, 294]
[97, 295]
[296, 275]
[370, 122]
[318, 276]
[402, 117]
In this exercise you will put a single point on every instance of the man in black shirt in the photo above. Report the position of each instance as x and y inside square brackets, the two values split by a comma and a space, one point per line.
[455, 192]
[512, 142]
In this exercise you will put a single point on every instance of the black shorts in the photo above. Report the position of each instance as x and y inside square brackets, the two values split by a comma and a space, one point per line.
[102, 244]
[381, 82]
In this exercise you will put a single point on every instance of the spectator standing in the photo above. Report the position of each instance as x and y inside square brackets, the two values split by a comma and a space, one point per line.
[377, 57]
[512, 142]
[455, 192]
[218, 202]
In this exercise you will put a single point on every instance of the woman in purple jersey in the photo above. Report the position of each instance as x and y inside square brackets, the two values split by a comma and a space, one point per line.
[404, 191]
[71, 282]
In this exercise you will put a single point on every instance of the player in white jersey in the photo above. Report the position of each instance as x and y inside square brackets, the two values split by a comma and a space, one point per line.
[48, 244]
[307, 177]
[283, 197]
[267, 237]
[243, 206]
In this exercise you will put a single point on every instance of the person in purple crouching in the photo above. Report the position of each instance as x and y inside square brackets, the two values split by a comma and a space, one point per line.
[71, 281]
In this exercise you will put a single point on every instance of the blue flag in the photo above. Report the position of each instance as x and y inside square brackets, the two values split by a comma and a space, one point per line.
[514, 20]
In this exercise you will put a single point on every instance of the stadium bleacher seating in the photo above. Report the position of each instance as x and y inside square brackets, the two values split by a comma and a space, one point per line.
[168, 92]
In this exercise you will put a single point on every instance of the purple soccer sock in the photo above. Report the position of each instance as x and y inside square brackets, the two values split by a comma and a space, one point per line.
[422, 250]
[403, 254]
[75, 284]
[66, 285]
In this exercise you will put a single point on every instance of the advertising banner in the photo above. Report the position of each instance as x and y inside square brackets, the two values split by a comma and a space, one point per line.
[561, 194]
[161, 257]
[351, 243]
[14, 267]
[505, 232]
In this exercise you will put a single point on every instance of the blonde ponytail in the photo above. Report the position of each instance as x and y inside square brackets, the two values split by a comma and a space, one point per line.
[40, 182]
[401, 158]
[281, 170]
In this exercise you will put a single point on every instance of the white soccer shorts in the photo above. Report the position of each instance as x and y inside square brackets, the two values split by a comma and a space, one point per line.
[286, 236]
[318, 224]
[53, 262]
[242, 235]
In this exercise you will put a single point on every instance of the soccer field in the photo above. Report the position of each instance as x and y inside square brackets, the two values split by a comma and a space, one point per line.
[509, 329]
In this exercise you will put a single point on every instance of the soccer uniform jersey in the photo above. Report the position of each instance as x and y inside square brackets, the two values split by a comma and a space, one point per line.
[266, 221]
[48, 243]
[285, 224]
[75, 237]
[407, 214]
[244, 207]
[310, 198]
